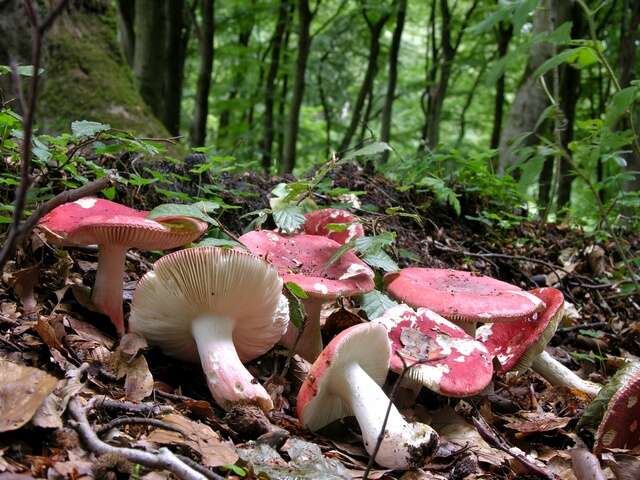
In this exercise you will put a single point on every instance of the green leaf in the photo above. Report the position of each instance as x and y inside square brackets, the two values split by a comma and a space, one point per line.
[381, 260]
[565, 56]
[174, 209]
[235, 469]
[296, 309]
[109, 193]
[219, 242]
[288, 219]
[296, 290]
[619, 104]
[368, 150]
[375, 303]
[84, 128]
[521, 14]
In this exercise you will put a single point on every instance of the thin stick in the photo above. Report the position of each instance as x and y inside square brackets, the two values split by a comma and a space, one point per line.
[137, 421]
[102, 401]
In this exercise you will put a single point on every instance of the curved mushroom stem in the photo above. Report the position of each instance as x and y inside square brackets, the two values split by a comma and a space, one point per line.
[408, 392]
[107, 290]
[310, 344]
[227, 378]
[559, 375]
[404, 445]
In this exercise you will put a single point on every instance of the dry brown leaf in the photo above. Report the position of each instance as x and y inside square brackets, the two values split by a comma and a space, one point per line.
[22, 391]
[25, 281]
[537, 422]
[199, 437]
[49, 415]
[139, 382]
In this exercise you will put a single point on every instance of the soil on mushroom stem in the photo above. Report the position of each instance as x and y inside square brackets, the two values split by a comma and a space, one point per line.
[55, 342]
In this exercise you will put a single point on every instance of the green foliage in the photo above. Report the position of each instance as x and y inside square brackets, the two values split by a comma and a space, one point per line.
[375, 303]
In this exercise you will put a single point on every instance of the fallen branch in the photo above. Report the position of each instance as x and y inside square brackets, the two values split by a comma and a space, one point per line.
[163, 460]
[102, 401]
[137, 421]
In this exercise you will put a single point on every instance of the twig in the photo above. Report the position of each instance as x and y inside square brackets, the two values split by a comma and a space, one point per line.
[491, 437]
[163, 460]
[102, 401]
[200, 468]
[39, 30]
[581, 326]
[137, 421]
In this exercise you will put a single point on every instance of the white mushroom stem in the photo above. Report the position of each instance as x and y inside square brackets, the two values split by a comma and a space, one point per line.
[404, 445]
[107, 289]
[559, 375]
[310, 344]
[227, 378]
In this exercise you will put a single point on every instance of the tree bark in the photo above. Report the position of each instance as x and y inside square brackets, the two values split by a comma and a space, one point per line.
[284, 91]
[305, 16]
[150, 59]
[504, 34]
[203, 85]
[177, 38]
[385, 122]
[270, 85]
[126, 32]
[375, 30]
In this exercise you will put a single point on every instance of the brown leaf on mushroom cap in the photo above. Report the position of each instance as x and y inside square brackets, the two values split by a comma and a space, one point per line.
[22, 391]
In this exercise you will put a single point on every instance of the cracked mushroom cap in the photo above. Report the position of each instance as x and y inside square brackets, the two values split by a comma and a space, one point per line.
[93, 220]
[302, 259]
[516, 344]
[317, 221]
[209, 281]
[620, 426]
[365, 344]
[462, 296]
[455, 364]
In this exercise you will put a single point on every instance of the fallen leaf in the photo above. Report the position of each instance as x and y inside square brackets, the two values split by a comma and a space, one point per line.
[139, 382]
[49, 415]
[22, 391]
[25, 281]
[199, 437]
[537, 422]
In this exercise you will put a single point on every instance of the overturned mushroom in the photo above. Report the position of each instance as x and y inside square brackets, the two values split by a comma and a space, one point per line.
[462, 297]
[115, 228]
[441, 355]
[520, 344]
[345, 380]
[216, 304]
[317, 224]
[303, 259]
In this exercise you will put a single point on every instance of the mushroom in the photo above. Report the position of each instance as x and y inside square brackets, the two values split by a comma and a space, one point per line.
[316, 224]
[520, 344]
[303, 259]
[115, 228]
[216, 304]
[345, 380]
[620, 426]
[462, 297]
[441, 355]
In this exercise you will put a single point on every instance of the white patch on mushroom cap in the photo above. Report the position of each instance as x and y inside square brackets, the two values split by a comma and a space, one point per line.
[352, 231]
[273, 237]
[319, 287]
[354, 270]
[633, 399]
[529, 296]
[433, 316]
[484, 315]
[484, 332]
[429, 375]
[503, 359]
[86, 202]
[464, 346]
[460, 359]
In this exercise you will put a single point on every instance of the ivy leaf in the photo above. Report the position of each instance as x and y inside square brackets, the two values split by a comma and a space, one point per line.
[381, 260]
[375, 303]
[84, 128]
[288, 219]
[174, 209]
[296, 309]
[367, 150]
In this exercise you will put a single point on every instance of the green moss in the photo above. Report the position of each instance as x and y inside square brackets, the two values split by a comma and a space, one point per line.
[86, 78]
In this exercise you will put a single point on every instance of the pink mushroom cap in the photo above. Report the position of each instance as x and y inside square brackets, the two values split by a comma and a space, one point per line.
[462, 296]
[317, 221]
[302, 259]
[515, 344]
[454, 363]
[620, 426]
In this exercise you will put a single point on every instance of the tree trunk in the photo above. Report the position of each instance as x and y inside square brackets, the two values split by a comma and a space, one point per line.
[177, 38]
[149, 61]
[504, 35]
[284, 91]
[375, 30]
[126, 32]
[203, 85]
[288, 161]
[270, 85]
[385, 122]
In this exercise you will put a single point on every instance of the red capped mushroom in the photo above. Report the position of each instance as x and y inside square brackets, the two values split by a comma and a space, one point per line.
[445, 359]
[317, 221]
[462, 297]
[302, 259]
[115, 228]
[520, 344]
[345, 380]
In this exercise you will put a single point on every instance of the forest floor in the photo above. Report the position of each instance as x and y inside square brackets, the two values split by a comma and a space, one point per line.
[44, 324]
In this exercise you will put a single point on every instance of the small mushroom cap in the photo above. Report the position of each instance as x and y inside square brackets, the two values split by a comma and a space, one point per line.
[317, 221]
[302, 259]
[516, 344]
[365, 344]
[620, 426]
[455, 364]
[462, 296]
[209, 281]
[96, 221]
